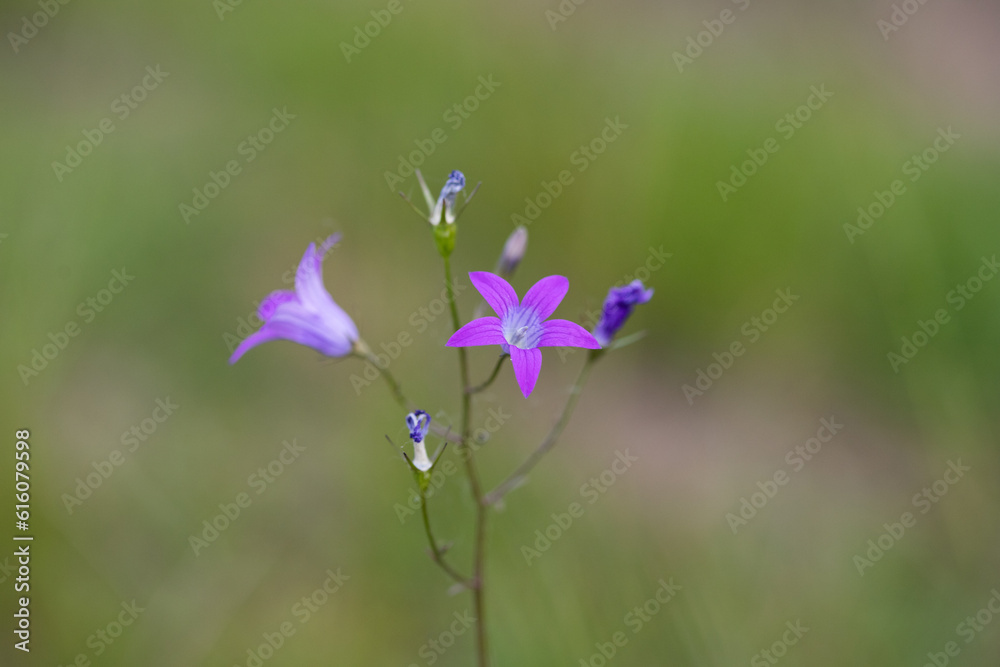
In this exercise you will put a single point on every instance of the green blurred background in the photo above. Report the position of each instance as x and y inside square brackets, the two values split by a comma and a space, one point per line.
[653, 189]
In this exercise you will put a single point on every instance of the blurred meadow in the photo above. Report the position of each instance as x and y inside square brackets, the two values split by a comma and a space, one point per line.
[721, 500]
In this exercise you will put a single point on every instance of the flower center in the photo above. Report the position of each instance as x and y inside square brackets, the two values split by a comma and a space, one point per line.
[519, 336]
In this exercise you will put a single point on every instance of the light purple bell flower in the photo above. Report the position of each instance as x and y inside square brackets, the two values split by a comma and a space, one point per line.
[308, 315]
[521, 327]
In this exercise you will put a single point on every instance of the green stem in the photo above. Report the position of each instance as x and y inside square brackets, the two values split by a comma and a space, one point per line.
[437, 554]
[493, 376]
[516, 478]
[470, 469]
[362, 351]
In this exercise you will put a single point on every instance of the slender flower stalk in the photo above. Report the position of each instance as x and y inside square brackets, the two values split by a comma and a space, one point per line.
[492, 377]
[437, 552]
[362, 351]
[520, 475]
[479, 547]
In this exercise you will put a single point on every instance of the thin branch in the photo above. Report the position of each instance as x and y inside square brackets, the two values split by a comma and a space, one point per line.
[467, 200]
[518, 477]
[493, 376]
[437, 553]
[482, 652]
[423, 216]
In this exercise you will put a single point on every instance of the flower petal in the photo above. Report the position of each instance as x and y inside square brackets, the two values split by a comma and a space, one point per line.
[546, 295]
[484, 331]
[428, 197]
[262, 335]
[324, 331]
[527, 364]
[497, 291]
[267, 307]
[289, 325]
[563, 333]
[309, 276]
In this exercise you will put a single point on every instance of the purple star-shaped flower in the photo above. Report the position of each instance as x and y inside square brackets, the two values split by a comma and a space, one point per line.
[521, 327]
[307, 316]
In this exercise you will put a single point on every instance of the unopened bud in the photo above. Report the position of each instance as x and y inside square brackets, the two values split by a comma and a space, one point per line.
[513, 251]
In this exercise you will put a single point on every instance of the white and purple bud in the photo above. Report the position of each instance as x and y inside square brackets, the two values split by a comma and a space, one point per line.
[419, 423]
[446, 200]
[513, 251]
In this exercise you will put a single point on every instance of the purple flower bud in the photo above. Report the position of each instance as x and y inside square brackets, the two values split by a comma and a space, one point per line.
[618, 306]
[513, 251]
